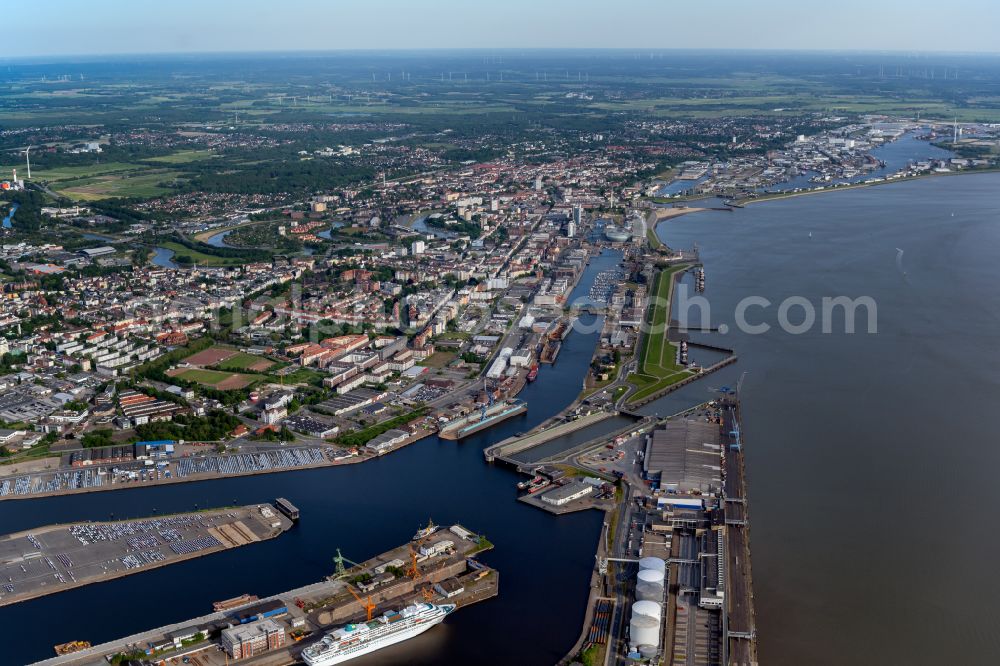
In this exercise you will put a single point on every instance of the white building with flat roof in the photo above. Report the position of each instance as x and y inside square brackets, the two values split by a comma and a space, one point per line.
[567, 493]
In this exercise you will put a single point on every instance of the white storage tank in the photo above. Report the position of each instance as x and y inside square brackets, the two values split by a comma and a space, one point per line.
[649, 585]
[644, 627]
[653, 564]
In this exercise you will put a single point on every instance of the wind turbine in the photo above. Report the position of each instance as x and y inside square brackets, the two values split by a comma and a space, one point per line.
[27, 157]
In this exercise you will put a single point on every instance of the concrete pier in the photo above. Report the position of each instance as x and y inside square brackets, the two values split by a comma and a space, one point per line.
[507, 448]
[57, 558]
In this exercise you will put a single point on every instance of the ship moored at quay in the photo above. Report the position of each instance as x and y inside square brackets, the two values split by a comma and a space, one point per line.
[354, 640]
[486, 417]
[359, 608]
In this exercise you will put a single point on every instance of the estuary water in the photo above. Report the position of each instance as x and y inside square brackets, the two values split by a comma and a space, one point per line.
[871, 458]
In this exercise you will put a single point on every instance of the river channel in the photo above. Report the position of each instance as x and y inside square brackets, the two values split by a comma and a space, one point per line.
[871, 458]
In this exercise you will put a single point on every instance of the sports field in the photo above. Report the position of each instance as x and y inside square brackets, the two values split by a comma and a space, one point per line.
[244, 361]
[224, 381]
[231, 364]
[212, 356]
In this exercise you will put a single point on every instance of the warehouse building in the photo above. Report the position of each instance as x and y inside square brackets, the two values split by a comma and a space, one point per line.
[436, 548]
[92, 252]
[310, 426]
[262, 611]
[386, 441]
[568, 493]
[449, 588]
[685, 456]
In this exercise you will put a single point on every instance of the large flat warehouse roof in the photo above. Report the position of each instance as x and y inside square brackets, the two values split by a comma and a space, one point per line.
[685, 455]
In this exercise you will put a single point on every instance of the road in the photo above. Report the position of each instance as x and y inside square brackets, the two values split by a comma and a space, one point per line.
[618, 582]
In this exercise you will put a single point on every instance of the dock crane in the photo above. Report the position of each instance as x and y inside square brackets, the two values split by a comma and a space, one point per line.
[368, 605]
[412, 571]
[338, 562]
[489, 400]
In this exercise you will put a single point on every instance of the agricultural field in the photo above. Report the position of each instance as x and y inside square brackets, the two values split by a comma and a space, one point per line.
[658, 367]
[101, 181]
[184, 157]
[150, 183]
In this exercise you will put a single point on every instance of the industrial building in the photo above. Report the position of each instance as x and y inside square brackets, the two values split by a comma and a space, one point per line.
[568, 493]
[684, 456]
[93, 252]
[310, 426]
[386, 441]
[253, 638]
[262, 611]
[713, 572]
[449, 588]
[436, 548]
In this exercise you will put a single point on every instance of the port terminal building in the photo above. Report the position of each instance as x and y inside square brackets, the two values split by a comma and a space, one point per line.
[684, 456]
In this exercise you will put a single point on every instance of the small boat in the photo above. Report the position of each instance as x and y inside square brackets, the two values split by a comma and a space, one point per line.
[425, 531]
[533, 373]
[71, 647]
[235, 602]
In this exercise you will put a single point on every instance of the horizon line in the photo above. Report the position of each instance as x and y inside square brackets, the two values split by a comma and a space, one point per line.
[506, 49]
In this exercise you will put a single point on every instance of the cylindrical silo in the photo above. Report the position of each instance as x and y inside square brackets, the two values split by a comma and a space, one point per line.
[649, 585]
[644, 628]
[653, 563]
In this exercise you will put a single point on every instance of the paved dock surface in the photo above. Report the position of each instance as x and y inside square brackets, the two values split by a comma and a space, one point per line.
[60, 557]
[320, 607]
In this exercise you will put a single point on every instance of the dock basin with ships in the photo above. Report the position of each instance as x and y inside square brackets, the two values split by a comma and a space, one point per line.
[479, 420]
[437, 568]
[56, 558]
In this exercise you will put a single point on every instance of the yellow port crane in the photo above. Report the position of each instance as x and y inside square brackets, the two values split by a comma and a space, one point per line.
[413, 571]
[368, 605]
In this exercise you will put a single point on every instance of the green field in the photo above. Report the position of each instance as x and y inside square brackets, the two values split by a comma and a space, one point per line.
[103, 180]
[151, 183]
[299, 376]
[438, 359]
[210, 377]
[184, 157]
[216, 378]
[658, 367]
[201, 258]
[243, 361]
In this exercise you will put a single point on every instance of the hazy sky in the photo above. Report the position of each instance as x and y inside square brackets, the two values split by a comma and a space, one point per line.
[66, 27]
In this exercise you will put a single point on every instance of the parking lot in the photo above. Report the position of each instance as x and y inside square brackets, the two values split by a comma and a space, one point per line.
[103, 476]
[50, 559]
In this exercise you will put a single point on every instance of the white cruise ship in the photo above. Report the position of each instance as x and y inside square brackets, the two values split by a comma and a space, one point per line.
[354, 640]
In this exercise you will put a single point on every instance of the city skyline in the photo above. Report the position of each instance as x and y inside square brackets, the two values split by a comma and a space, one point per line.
[104, 27]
